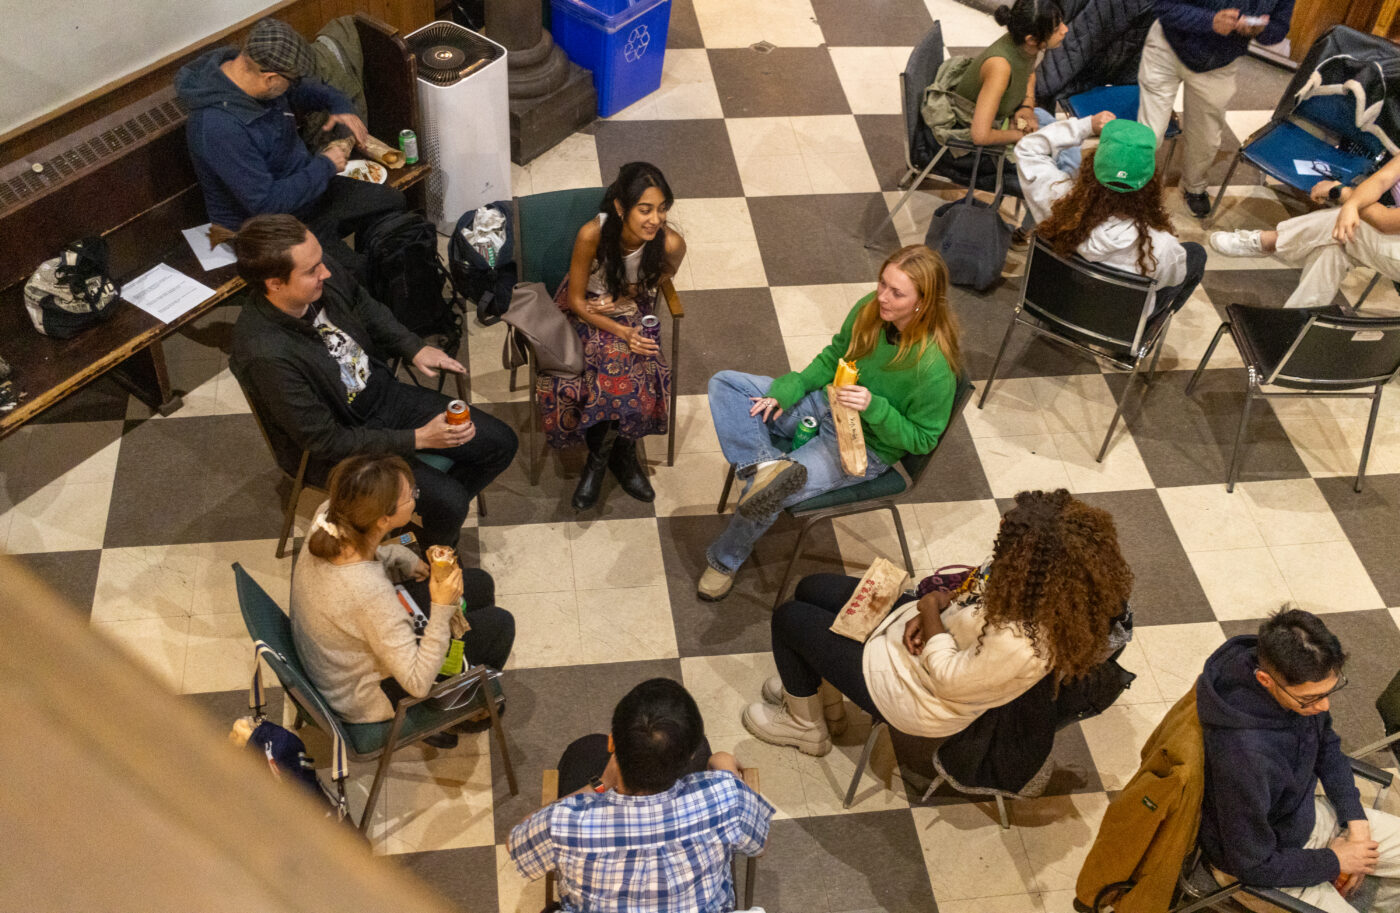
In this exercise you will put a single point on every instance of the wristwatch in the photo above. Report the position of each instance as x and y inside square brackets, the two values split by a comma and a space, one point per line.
[1334, 193]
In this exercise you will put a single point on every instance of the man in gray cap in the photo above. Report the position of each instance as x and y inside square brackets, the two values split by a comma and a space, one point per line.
[242, 136]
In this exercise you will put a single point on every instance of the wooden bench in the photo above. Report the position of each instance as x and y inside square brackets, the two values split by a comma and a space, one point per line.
[139, 201]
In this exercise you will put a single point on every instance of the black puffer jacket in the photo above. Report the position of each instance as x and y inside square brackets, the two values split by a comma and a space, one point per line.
[1103, 47]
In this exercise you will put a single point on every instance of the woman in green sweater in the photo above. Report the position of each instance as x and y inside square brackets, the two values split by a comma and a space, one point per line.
[903, 338]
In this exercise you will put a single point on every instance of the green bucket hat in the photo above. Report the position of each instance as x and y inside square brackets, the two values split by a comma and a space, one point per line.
[1127, 155]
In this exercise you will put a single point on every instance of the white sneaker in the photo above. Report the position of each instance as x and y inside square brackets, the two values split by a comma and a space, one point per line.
[1239, 243]
[833, 702]
[797, 723]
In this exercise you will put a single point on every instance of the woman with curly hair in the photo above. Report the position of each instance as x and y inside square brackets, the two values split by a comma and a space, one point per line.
[1111, 211]
[1043, 604]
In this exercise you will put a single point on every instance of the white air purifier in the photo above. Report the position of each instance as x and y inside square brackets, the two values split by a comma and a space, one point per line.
[464, 112]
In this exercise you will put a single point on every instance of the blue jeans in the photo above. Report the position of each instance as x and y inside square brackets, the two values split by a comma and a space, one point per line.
[747, 441]
[1068, 160]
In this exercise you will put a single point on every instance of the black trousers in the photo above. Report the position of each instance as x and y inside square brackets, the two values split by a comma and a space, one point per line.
[445, 497]
[349, 207]
[806, 651]
[586, 757]
[492, 635]
[1175, 296]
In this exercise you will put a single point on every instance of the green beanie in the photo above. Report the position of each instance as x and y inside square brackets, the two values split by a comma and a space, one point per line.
[1127, 155]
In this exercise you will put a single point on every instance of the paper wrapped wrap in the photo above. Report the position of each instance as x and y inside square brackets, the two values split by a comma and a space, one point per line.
[879, 587]
[850, 437]
[383, 153]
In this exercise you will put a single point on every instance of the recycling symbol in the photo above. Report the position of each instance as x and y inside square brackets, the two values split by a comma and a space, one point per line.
[636, 44]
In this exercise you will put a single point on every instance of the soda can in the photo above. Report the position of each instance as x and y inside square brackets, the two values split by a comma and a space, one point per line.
[408, 142]
[458, 413]
[806, 430]
[651, 325]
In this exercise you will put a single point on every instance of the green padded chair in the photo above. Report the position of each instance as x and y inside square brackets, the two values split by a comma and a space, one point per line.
[545, 227]
[413, 720]
[876, 494]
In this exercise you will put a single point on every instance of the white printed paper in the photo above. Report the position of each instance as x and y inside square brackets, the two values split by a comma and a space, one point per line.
[1305, 166]
[198, 239]
[165, 293]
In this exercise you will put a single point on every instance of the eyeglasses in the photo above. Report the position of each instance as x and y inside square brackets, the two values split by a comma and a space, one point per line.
[1313, 698]
[292, 81]
[412, 495]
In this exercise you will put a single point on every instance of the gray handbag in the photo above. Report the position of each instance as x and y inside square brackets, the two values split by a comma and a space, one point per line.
[971, 237]
[534, 316]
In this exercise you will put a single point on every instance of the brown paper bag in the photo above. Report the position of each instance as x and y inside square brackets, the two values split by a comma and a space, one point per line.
[871, 602]
[383, 153]
[849, 435]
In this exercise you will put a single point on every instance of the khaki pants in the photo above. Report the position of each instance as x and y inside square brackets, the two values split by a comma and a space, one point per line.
[1203, 117]
[1307, 242]
[1385, 830]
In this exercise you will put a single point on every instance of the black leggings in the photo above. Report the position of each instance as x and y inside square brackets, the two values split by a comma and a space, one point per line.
[586, 757]
[805, 649]
[492, 635]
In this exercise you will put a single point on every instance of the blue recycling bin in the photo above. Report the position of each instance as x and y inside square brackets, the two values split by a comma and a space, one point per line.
[622, 43]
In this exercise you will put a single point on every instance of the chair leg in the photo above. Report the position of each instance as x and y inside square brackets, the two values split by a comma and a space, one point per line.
[903, 543]
[724, 495]
[1234, 163]
[1001, 812]
[996, 363]
[500, 735]
[290, 513]
[750, 874]
[889, 219]
[875, 727]
[675, 385]
[380, 770]
[1370, 285]
[1239, 434]
[1208, 901]
[536, 433]
[1122, 398]
[936, 782]
[512, 377]
[792, 563]
[481, 504]
[1210, 350]
[1161, 344]
[1171, 153]
[1370, 430]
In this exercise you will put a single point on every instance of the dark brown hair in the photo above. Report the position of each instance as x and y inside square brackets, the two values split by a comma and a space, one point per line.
[363, 490]
[1089, 204]
[264, 245]
[1058, 578]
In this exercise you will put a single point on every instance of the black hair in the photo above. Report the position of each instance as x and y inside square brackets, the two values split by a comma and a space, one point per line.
[264, 245]
[633, 180]
[1037, 18]
[1296, 647]
[656, 729]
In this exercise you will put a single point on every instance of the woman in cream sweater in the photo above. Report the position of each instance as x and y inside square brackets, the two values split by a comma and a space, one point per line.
[1043, 603]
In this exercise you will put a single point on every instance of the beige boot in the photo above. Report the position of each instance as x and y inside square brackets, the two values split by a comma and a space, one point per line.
[797, 722]
[833, 702]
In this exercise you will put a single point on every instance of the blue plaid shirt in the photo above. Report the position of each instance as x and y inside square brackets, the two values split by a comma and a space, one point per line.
[665, 852]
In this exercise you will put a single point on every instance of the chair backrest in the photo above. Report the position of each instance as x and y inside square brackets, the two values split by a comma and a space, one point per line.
[919, 72]
[545, 228]
[1336, 115]
[915, 463]
[285, 453]
[1339, 352]
[1110, 306]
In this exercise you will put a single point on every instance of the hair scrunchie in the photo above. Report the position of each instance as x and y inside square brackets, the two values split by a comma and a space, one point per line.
[322, 523]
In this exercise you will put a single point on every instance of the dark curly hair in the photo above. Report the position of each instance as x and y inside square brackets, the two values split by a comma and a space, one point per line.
[1089, 204]
[1057, 577]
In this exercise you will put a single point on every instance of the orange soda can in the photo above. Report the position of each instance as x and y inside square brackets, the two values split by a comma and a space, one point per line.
[458, 413]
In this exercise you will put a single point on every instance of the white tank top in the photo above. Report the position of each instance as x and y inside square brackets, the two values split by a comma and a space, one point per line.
[597, 282]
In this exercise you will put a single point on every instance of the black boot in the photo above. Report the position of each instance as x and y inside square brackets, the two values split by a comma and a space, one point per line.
[600, 439]
[630, 474]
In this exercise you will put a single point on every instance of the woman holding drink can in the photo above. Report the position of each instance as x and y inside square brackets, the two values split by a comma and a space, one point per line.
[619, 260]
[362, 645]
[895, 361]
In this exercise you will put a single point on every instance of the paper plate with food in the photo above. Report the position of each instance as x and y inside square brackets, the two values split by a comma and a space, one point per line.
[365, 170]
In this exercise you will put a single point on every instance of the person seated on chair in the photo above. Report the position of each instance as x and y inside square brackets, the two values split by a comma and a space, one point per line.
[249, 159]
[651, 820]
[1328, 243]
[1264, 706]
[308, 350]
[624, 393]
[1044, 602]
[1111, 212]
[359, 642]
[903, 338]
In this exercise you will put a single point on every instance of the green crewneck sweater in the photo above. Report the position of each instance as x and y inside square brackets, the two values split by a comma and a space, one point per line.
[910, 403]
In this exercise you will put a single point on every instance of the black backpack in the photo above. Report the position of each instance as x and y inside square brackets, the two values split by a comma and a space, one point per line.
[407, 276]
[488, 285]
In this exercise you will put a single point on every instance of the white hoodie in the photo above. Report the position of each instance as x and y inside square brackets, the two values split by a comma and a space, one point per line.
[1113, 243]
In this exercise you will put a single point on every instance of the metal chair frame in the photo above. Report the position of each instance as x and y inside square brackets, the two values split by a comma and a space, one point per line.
[1147, 339]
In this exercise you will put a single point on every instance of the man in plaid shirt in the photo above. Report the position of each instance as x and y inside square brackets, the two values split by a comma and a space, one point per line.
[656, 830]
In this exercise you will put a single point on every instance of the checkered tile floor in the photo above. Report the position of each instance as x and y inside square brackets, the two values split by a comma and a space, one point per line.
[782, 160]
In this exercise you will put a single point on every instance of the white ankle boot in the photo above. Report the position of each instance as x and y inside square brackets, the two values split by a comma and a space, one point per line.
[833, 702]
[797, 721]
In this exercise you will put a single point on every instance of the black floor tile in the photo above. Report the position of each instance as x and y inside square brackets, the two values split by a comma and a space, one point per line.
[880, 23]
[884, 142]
[72, 575]
[784, 82]
[549, 708]
[684, 30]
[695, 155]
[820, 239]
[955, 473]
[465, 877]
[1187, 440]
[102, 400]
[1368, 519]
[223, 707]
[1165, 588]
[1258, 287]
[52, 450]
[729, 329]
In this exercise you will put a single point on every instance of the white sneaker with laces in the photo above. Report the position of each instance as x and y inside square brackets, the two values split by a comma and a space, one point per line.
[1239, 243]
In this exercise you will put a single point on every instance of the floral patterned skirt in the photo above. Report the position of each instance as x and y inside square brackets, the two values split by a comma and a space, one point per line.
[615, 386]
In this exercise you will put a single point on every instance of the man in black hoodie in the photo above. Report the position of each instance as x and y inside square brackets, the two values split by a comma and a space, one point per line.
[1263, 704]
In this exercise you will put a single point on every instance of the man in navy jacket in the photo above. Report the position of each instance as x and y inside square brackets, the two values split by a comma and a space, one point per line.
[249, 159]
[1263, 703]
[1197, 42]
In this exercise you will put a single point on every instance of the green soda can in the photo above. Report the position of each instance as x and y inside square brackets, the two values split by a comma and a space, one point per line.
[408, 143]
[806, 430]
